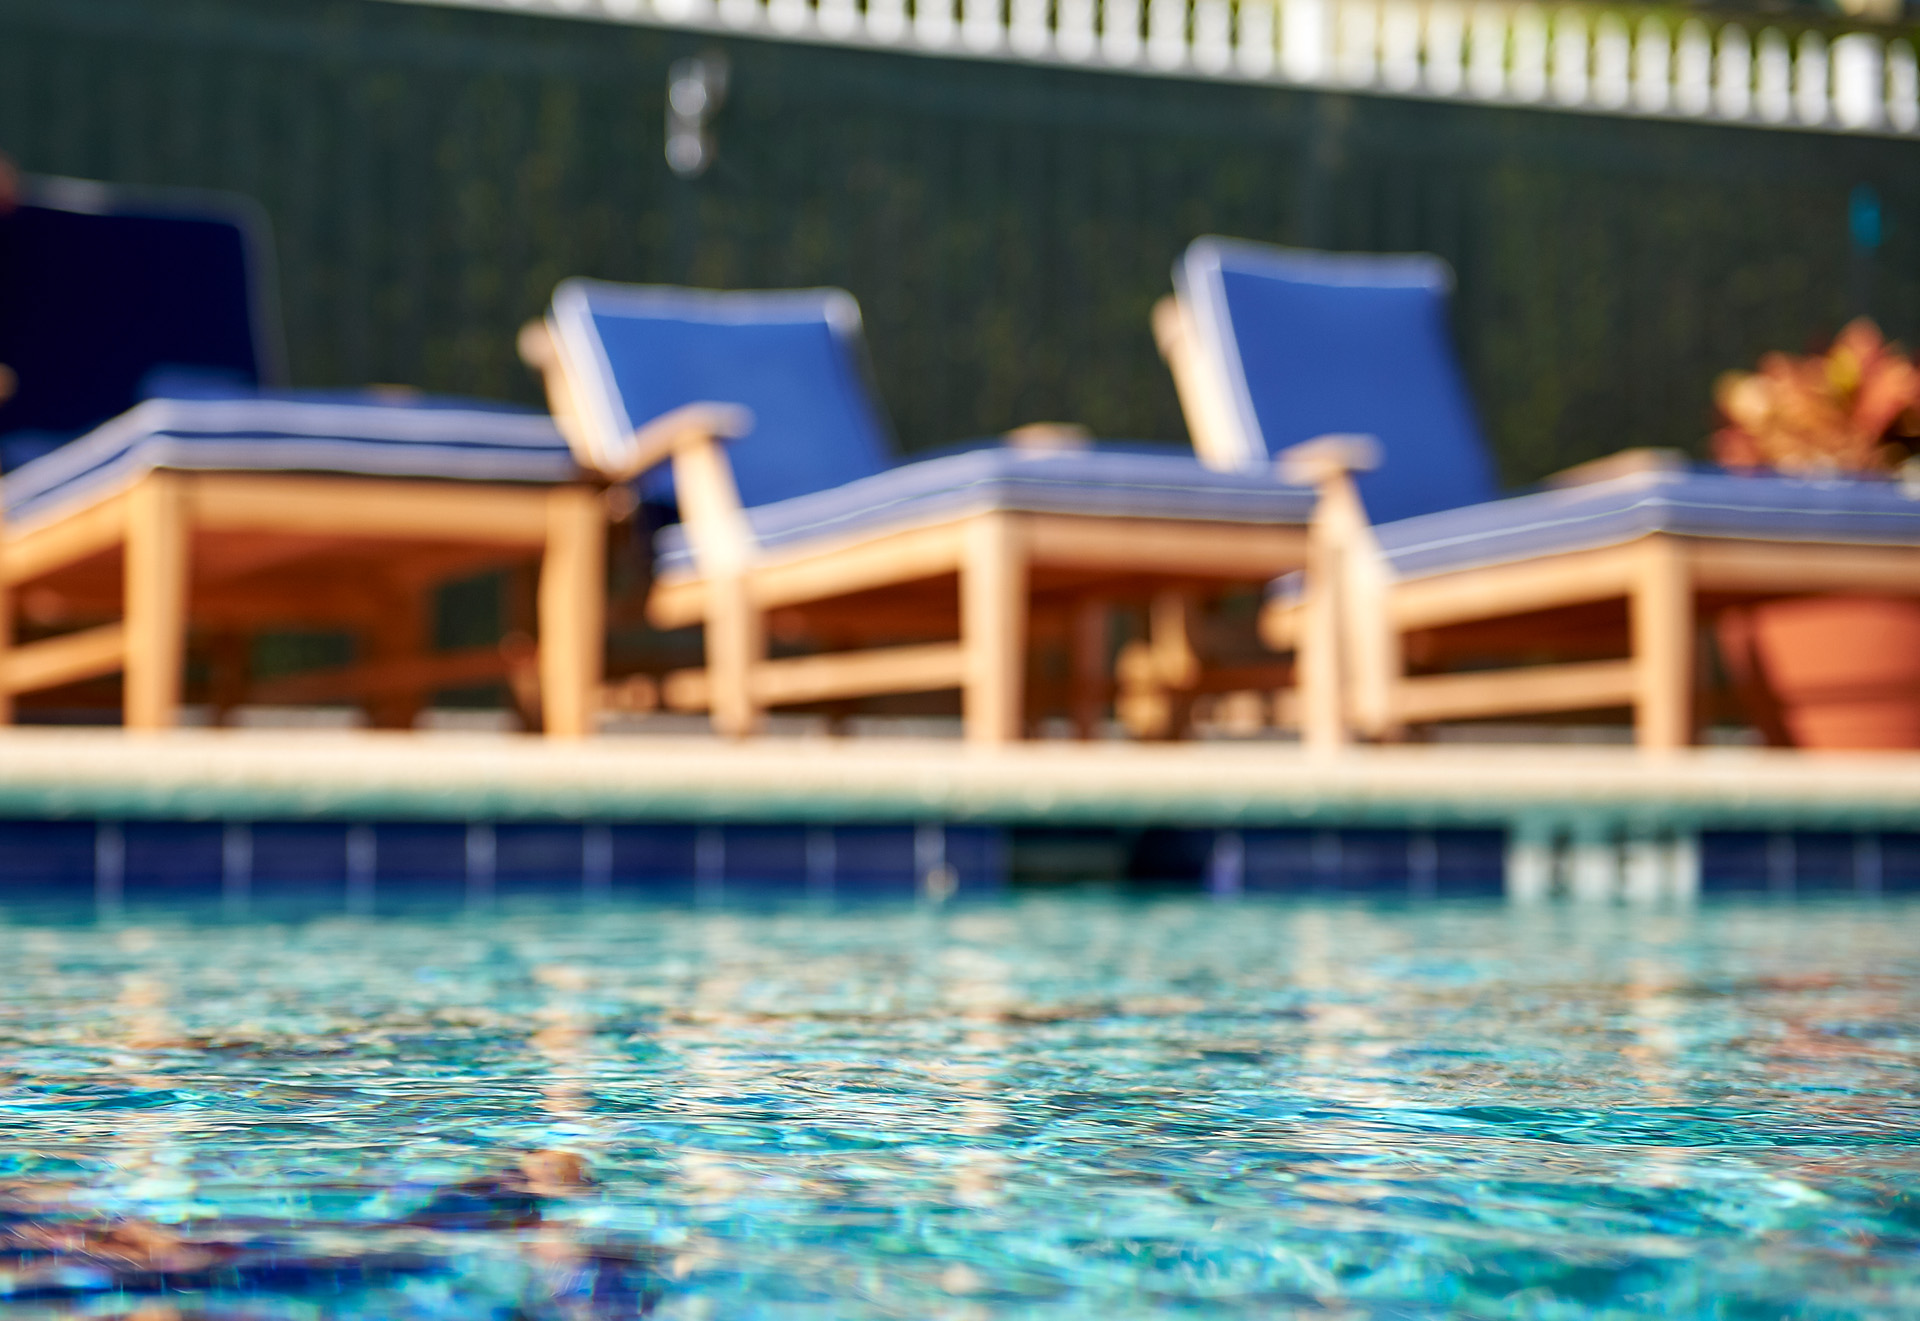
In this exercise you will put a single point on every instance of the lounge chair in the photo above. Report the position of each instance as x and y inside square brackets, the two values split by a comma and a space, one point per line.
[1586, 596]
[161, 492]
[922, 577]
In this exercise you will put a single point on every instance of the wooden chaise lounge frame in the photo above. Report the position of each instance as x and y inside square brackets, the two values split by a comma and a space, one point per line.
[1350, 624]
[998, 556]
[239, 551]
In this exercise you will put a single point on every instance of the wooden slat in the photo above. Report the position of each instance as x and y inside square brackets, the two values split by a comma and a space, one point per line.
[69, 658]
[1588, 685]
[824, 678]
[377, 679]
[1147, 547]
[486, 513]
[1786, 568]
[837, 570]
[1166, 547]
[1507, 589]
[42, 548]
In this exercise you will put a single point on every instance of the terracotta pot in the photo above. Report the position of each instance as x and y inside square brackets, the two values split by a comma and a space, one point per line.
[1841, 671]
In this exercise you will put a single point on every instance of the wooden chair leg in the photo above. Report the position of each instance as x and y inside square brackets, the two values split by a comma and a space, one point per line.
[6, 634]
[156, 602]
[1662, 623]
[400, 634]
[1322, 708]
[993, 617]
[1088, 680]
[736, 644]
[230, 658]
[572, 605]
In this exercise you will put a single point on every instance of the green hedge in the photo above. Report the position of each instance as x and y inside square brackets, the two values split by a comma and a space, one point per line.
[432, 172]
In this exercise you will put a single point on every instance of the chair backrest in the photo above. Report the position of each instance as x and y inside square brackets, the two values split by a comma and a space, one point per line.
[102, 287]
[792, 357]
[1294, 344]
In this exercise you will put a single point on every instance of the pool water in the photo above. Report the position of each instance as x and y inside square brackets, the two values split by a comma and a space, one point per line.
[1050, 1107]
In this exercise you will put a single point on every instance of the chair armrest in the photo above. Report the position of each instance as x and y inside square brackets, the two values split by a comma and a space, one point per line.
[1626, 463]
[1325, 460]
[686, 428]
[672, 433]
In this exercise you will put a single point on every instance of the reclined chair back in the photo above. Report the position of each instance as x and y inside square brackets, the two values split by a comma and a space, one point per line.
[792, 358]
[102, 288]
[1272, 347]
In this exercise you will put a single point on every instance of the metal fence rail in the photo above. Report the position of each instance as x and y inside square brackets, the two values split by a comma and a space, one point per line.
[1571, 57]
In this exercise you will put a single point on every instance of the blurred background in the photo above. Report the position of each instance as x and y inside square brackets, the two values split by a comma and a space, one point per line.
[430, 172]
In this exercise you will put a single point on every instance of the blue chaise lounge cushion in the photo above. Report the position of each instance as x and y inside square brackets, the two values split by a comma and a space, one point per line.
[1710, 504]
[1304, 344]
[1088, 482]
[457, 440]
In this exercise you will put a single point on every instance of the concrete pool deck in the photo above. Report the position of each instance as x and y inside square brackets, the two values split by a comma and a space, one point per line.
[203, 775]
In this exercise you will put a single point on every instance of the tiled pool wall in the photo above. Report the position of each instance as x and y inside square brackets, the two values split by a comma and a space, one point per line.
[378, 865]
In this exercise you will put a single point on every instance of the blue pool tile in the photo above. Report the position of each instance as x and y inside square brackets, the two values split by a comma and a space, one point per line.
[537, 858]
[172, 860]
[44, 859]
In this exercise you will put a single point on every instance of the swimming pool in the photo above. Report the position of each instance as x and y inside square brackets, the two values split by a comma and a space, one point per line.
[1047, 1107]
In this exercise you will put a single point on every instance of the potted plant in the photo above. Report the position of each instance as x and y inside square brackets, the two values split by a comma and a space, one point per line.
[1827, 671]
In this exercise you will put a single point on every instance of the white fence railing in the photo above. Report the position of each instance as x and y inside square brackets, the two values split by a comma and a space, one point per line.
[1577, 58]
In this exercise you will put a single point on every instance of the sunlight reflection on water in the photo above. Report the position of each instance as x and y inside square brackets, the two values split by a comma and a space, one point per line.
[1051, 1107]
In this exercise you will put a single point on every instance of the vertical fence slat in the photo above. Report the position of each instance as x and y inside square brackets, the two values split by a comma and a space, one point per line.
[933, 23]
[1693, 69]
[1612, 63]
[1167, 33]
[1903, 87]
[1528, 79]
[1027, 30]
[981, 28]
[1733, 74]
[1212, 36]
[1773, 78]
[1306, 39]
[1357, 53]
[1859, 81]
[1569, 61]
[1810, 79]
[1256, 38]
[1446, 48]
[1652, 66]
[1487, 51]
[1400, 45]
[1120, 31]
[1075, 35]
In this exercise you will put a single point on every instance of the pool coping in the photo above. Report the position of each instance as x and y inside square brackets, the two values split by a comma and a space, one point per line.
[256, 775]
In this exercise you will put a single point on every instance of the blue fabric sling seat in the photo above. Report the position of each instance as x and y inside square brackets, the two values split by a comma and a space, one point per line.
[1290, 345]
[818, 464]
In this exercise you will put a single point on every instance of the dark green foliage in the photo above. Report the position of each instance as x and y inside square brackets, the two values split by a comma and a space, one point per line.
[432, 172]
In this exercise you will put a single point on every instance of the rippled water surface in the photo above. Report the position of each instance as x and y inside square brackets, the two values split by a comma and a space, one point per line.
[1057, 1107]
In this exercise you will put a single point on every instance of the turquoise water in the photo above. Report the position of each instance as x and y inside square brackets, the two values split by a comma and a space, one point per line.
[1049, 1108]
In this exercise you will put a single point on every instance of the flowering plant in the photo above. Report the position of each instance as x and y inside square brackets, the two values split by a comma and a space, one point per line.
[1853, 409]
